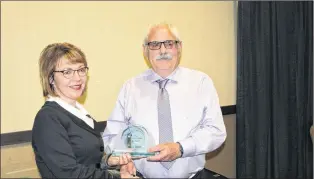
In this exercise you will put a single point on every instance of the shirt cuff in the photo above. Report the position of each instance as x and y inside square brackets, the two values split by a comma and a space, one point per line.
[188, 146]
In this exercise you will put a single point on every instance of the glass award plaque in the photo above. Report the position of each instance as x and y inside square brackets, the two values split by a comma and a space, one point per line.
[134, 140]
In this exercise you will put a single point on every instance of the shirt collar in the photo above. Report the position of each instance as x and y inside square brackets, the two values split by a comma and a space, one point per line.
[152, 76]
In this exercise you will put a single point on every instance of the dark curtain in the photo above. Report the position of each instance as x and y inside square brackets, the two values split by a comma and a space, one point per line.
[274, 89]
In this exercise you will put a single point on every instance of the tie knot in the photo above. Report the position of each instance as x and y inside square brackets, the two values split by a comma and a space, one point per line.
[162, 83]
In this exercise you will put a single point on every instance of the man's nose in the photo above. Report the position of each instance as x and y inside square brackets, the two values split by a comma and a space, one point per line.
[163, 48]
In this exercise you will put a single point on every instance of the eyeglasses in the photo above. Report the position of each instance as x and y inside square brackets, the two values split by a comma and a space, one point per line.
[70, 73]
[168, 44]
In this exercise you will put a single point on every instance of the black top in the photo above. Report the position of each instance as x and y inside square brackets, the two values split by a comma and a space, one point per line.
[65, 146]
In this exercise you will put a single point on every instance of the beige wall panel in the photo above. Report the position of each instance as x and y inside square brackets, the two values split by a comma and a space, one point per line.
[110, 34]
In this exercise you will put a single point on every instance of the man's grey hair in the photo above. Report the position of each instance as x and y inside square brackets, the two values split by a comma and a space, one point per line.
[173, 30]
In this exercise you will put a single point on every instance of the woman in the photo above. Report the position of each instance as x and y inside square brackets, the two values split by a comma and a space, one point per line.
[63, 136]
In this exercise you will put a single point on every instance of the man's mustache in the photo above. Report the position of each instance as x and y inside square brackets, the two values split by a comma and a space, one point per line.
[165, 56]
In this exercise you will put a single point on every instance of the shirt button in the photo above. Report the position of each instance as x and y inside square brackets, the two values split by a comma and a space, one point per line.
[102, 148]
[97, 165]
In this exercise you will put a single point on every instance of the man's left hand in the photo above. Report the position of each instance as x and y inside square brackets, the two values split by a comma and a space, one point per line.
[167, 152]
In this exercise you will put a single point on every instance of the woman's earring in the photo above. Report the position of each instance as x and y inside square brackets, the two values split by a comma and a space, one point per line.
[51, 79]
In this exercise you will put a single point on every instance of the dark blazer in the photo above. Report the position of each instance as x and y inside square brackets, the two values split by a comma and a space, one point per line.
[65, 146]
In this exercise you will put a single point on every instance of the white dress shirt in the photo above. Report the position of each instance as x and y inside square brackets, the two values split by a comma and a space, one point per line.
[196, 118]
[78, 111]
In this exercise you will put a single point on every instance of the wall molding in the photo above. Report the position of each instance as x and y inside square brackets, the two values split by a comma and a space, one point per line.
[13, 138]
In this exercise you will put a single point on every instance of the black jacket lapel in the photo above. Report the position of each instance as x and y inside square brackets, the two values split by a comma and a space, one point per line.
[83, 125]
[76, 120]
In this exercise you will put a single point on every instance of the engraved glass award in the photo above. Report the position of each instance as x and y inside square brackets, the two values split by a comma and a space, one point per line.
[134, 140]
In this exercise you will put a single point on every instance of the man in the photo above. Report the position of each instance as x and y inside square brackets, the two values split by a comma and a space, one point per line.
[177, 105]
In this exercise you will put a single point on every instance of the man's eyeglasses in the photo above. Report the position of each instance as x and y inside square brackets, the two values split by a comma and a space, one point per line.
[69, 73]
[155, 45]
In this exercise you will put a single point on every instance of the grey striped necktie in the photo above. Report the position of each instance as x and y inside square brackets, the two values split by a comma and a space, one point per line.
[164, 117]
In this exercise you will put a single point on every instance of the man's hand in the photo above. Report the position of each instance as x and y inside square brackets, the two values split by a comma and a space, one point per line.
[167, 152]
[127, 169]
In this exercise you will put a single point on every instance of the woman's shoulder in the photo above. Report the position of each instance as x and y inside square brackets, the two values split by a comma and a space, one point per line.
[50, 107]
[50, 111]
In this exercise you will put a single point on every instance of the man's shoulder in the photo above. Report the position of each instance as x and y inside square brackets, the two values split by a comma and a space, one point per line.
[143, 74]
[193, 73]
[139, 77]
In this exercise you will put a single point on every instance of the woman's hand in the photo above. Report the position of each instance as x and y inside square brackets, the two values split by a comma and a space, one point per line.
[127, 169]
[113, 161]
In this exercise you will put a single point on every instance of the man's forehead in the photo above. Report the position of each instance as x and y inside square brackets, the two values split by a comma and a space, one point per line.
[160, 34]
